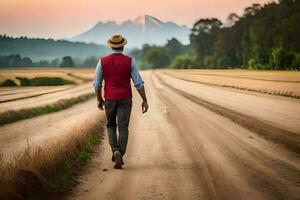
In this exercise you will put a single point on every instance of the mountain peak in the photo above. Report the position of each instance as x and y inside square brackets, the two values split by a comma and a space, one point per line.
[147, 20]
[140, 20]
[141, 30]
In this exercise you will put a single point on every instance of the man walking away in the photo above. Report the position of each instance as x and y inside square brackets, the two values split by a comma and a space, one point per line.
[117, 69]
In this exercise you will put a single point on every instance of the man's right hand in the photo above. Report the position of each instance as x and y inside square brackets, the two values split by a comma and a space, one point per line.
[100, 104]
[145, 106]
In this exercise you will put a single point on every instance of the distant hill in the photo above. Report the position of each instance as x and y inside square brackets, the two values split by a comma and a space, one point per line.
[49, 49]
[144, 29]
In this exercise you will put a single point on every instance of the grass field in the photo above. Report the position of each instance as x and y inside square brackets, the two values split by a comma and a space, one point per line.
[47, 164]
[47, 131]
[284, 83]
[78, 75]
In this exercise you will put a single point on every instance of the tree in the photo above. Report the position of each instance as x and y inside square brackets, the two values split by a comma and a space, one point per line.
[157, 57]
[67, 61]
[255, 35]
[232, 19]
[174, 48]
[55, 62]
[90, 62]
[27, 62]
[183, 62]
[203, 36]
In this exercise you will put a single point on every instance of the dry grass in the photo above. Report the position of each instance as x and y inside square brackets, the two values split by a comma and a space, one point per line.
[281, 83]
[48, 171]
[78, 75]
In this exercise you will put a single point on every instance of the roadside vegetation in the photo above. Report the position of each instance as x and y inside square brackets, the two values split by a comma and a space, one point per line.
[16, 115]
[37, 81]
[49, 171]
[264, 37]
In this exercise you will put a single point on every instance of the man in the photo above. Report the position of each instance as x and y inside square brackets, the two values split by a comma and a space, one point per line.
[116, 69]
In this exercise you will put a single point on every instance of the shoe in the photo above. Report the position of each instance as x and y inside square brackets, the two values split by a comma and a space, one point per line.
[118, 160]
[113, 160]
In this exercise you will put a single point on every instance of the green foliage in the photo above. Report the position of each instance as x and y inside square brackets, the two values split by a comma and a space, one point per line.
[43, 81]
[24, 81]
[203, 36]
[90, 62]
[224, 62]
[67, 61]
[48, 49]
[85, 153]
[63, 177]
[13, 116]
[282, 60]
[157, 57]
[8, 83]
[182, 62]
[174, 48]
[66, 171]
[268, 34]
[296, 62]
[91, 139]
[15, 61]
[253, 64]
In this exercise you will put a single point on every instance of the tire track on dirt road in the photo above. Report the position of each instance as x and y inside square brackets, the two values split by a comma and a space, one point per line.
[288, 139]
[181, 150]
[238, 159]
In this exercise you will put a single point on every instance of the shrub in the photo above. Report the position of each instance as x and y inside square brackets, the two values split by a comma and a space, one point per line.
[182, 62]
[43, 81]
[8, 83]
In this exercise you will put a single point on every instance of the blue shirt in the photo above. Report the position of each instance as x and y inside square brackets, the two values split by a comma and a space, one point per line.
[135, 75]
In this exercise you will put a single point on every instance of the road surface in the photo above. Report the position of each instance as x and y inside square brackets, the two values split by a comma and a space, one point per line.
[182, 150]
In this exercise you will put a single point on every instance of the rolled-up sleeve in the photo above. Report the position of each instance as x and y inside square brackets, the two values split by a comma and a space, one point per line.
[135, 76]
[98, 77]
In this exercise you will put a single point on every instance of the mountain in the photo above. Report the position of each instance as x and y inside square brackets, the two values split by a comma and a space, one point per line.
[142, 30]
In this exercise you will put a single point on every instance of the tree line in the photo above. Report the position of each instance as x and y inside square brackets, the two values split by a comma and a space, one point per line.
[48, 49]
[67, 61]
[264, 37]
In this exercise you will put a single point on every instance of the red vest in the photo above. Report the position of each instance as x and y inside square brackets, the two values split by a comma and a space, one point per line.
[116, 69]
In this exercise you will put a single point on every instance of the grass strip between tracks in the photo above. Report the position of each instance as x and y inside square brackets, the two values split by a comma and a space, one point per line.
[16, 115]
[35, 95]
[50, 171]
[287, 139]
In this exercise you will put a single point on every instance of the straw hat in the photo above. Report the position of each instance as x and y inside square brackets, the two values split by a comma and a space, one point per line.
[117, 41]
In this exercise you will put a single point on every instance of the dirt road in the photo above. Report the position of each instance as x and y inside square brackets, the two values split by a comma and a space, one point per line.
[181, 150]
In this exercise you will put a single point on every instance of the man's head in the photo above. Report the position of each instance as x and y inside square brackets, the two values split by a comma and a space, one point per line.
[117, 42]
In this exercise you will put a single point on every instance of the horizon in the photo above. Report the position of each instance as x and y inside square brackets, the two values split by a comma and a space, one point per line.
[48, 19]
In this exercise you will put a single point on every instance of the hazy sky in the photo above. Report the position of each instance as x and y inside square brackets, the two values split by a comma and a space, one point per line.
[65, 18]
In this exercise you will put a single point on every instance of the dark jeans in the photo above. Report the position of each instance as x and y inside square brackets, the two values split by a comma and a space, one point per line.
[118, 115]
